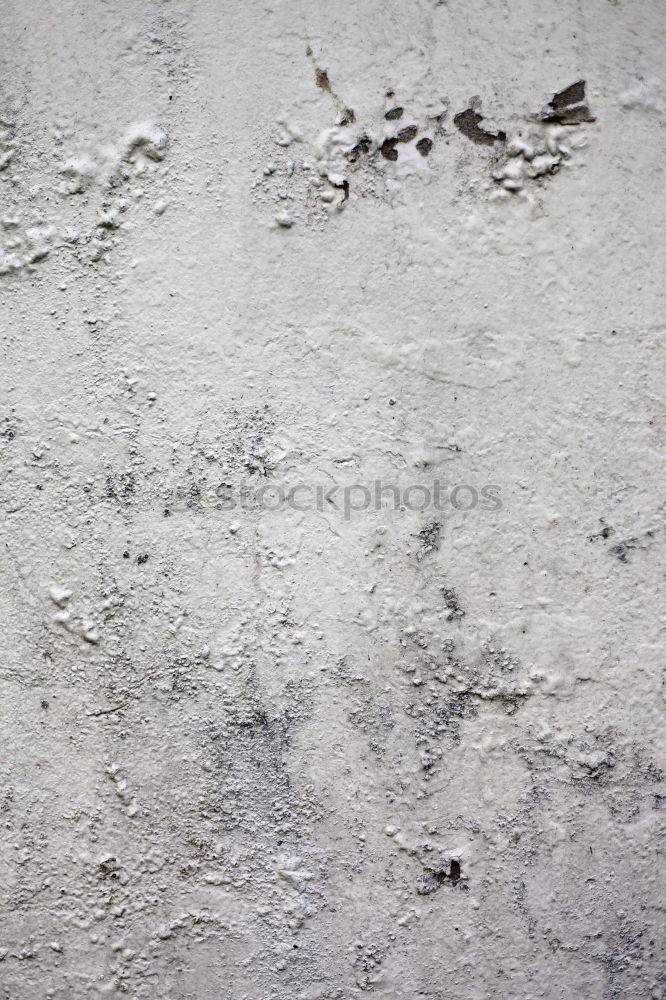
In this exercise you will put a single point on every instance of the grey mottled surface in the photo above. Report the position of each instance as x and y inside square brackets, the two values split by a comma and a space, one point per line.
[289, 754]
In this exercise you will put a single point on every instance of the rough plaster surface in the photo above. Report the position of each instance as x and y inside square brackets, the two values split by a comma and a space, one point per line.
[298, 754]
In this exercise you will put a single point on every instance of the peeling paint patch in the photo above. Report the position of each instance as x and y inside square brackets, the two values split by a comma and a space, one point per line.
[474, 126]
[569, 106]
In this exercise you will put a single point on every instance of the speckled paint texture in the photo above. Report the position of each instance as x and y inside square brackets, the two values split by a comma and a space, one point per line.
[331, 479]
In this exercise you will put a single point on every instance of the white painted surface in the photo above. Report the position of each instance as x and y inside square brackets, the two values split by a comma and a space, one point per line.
[245, 749]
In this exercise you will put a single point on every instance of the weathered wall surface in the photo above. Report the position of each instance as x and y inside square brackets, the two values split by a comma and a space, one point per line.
[309, 752]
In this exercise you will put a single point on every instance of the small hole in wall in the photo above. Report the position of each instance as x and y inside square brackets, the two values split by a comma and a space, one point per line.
[454, 873]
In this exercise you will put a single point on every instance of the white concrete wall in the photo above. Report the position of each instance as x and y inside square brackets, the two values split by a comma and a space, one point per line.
[315, 752]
